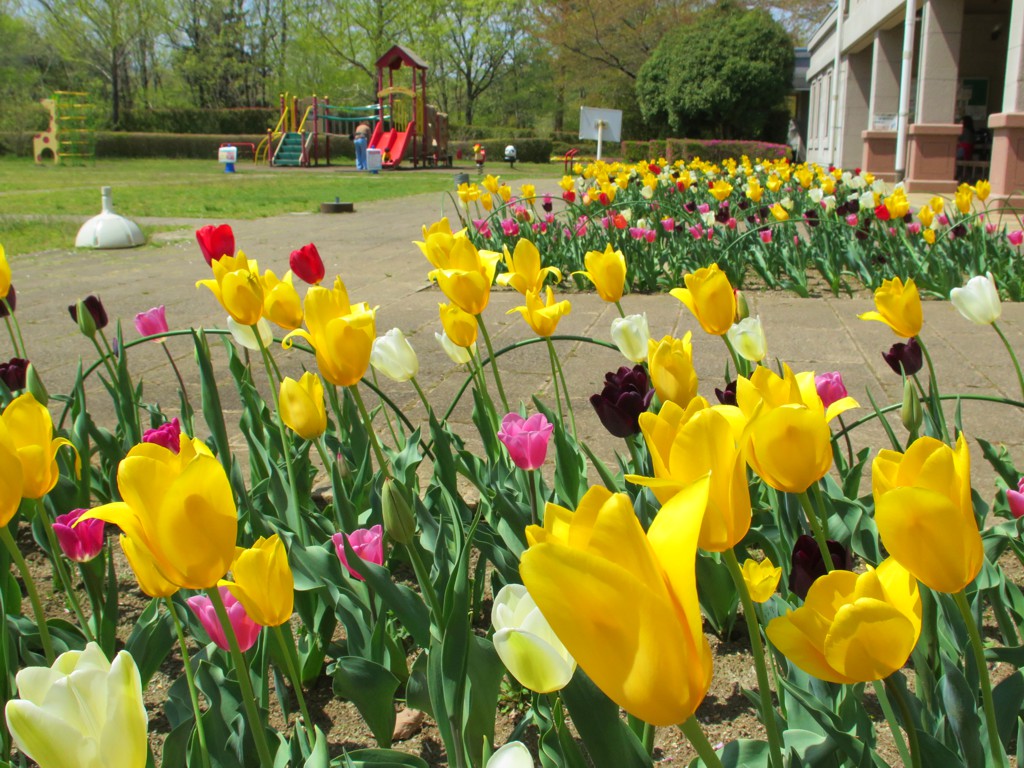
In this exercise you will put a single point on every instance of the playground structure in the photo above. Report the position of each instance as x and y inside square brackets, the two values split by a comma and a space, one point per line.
[404, 126]
[70, 136]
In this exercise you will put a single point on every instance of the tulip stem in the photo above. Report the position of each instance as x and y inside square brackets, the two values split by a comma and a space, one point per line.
[291, 657]
[565, 390]
[61, 575]
[771, 725]
[933, 391]
[371, 435]
[817, 530]
[106, 361]
[692, 730]
[910, 756]
[554, 381]
[244, 681]
[292, 510]
[177, 373]
[426, 587]
[618, 306]
[649, 734]
[1013, 356]
[423, 396]
[18, 351]
[387, 416]
[33, 593]
[534, 516]
[11, 319]
[190, 679]
[995, 745]
[846, 436]
[493, 361]
[741, 369]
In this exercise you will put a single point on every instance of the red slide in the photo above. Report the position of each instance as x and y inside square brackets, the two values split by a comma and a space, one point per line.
[392, 144]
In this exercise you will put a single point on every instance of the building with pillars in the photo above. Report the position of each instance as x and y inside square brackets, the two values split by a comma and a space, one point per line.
[966, 57]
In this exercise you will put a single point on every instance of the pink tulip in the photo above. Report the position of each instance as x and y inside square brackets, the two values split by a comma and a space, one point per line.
[526, 439]
[80, 543]
[1016, 499]
[152, 322]
[246, 630]
[704, 208]
[943, 219]
[830, 387]
[368, 543]
[990, 228]
[509, 227]
[731, 223]
[1016, 237]
[669, 225]
[914, 228]
[765, 235]
[168, 435]
[216, 242]
[852, 220]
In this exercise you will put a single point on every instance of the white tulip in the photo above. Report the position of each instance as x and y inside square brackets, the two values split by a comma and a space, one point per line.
[393, 355]
[747, 338]
[978, 301]
[526, 644]
[244, 335]
[458, 355]
[512, 755]
[631, 334]
[82, 711]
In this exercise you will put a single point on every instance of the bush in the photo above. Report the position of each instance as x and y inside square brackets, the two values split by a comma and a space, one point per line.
[712, 150]
[528, 150]
[201, 121]
[477, 133]
[16, 143]
[636, 151]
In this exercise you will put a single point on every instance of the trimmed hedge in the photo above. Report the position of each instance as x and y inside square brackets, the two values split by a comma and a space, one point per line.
[712, 150]
[191, 120]
[527, 150]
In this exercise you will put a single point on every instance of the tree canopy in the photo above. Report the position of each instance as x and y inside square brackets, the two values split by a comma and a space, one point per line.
[726, 75]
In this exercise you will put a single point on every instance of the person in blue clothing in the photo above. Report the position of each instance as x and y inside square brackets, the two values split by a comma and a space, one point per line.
[360, 140]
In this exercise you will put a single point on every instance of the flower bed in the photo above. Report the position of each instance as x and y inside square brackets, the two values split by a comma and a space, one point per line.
[765, 220]
[584, 604]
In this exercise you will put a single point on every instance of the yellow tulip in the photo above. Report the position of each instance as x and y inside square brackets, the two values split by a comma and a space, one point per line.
[302, 405]
[525, 273]
[937, 204]
[468, 193]
[341, 333]
[899, 307]
[505, 192]
[779, 213]
[671, 368]
[686, 445]
[625, 603]
[467, 276]
[853, 628]
[150, 579]
[804, 176]
[774, 183]
[11, 475]
[926, 215]
[178, 511]
[924, 512]
[982, 189]
[460, 327]
[528, 192]
[30, 429]
[281, 302]
[711, 299]
[754, 190]
[490, 183]
[787, 440]
[261, 580]
[543, 314]
[964, 198]
[607, 271]
[237, 286]
[897, 204]
[720, 190]
[5, 274]
[761, 578]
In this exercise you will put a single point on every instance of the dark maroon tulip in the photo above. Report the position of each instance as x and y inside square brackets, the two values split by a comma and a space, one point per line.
[13, 372]
[627, 393]
[307, 264]
[807, 564]
[95, 307]
[216, 242]
[168, 435]
[12, 302]
[904, 357]
[727, 396]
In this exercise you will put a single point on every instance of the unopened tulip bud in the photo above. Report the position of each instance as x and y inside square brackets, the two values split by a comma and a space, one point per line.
[83, 317]
[399, 521]
[35, 385]
[910, 413]
[742, 310]
[393, 355]
[631, 334]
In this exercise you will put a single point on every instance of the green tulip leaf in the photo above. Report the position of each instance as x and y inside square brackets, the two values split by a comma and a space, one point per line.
[151, 640]
[371, 688]
[1008, 697]
[741, 753]
[961, 711]
[718, 596]
[606, 737]
[379, 758]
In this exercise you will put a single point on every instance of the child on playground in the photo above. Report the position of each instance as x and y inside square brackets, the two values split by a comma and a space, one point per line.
[479, 156]
[361, 137]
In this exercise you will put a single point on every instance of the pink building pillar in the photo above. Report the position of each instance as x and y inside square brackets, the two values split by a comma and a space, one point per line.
[1007, 172]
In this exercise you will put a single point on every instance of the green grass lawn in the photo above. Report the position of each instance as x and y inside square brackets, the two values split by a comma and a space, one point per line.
[194, 189]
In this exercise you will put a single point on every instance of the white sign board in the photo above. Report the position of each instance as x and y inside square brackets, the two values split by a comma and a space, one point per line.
[600, 124]
[227, 154]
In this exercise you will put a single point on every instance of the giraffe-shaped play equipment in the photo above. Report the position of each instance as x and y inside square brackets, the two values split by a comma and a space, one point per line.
[70, 135]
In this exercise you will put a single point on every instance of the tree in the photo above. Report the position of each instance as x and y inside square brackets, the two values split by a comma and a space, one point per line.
[724, 76]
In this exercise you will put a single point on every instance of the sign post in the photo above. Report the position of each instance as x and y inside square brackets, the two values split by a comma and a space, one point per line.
[600, 124]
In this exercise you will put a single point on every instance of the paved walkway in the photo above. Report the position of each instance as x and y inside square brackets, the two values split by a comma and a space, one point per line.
[373, 252]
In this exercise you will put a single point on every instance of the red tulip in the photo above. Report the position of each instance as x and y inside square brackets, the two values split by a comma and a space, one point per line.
[307, 264]
[216, 242]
